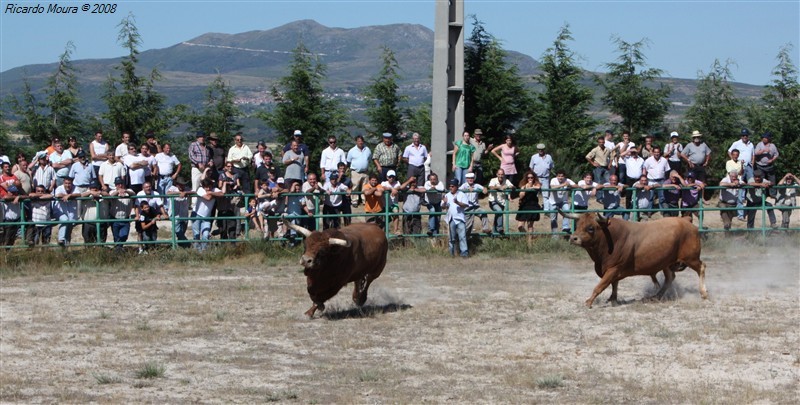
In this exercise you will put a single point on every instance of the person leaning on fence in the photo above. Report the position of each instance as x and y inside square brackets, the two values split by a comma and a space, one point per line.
[414, 194]
[386, 156]
[334, 202]
[433, 201]
[473, 191]
[207, 196]
[644, 197]
[358, 158]
[456, 203]
[179, 208]
[92, 210]
[528, 201]
[146, 225]
[559, 199]
[672, 193]
[766, 153]
[120, 210]
[756, 194]
[787, 197]
[296, 211]
[347, 210]
[66, 209]
[612, 193]
[373, 200]
[392, 186]
[691, 192]
[41, 211]
[729, 197]
[11, 209]
[584, 190]
[312, 186]
[499, 194]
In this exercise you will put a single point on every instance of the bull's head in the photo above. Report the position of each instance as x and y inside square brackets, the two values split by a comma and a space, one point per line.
[319, 245]
[590, 229]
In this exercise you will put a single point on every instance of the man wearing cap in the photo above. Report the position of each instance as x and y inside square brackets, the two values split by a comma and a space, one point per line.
[697, 155]
[81, 172]
[331, 157]
[473, 191]
[358, 158]
[481, 149]
[92, 210]
[199, 158]
[456, 203]
[216, 156]
[672, 152]
[541, 164]
[746, 154]
[178, 203]
[167, 168]
[690, 194]
[66, 210]
[386, 156]
[766, 154]
[414, 156]
[393, 187]
[44, 174]
[298, 137]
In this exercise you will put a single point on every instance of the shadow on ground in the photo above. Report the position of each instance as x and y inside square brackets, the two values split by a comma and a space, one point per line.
[366, 311]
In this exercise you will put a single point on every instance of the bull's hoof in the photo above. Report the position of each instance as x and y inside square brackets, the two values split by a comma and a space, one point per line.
[614, 302]
[589, 303]
[314, 308]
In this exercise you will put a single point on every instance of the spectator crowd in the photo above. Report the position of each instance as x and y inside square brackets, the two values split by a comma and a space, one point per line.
[104, 187]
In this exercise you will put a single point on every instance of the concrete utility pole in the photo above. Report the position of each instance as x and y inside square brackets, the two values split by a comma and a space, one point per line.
[447, 111]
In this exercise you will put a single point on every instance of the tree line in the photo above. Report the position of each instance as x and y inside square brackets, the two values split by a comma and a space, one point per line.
[497, 99]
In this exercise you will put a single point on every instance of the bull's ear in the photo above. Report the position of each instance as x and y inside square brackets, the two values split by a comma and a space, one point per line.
[339, 242]
[601, 219]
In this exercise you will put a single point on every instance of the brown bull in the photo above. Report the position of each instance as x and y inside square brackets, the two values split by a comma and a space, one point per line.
[621, 249]
[335, 257]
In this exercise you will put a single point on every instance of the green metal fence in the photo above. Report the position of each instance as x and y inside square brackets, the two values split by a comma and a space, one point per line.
[174, 241]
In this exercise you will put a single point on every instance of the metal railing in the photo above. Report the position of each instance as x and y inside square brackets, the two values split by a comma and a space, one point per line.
[243, 226]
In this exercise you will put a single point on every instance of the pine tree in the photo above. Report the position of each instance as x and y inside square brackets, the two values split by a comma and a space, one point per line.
[62, 99]
[219, 112]
[382, 99]
[31, 111]
[782, 99]
[631, 91]
[302, 104]
[560, 117]
[716, 111]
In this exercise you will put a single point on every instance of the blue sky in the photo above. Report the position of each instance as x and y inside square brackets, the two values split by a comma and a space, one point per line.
[685, 36]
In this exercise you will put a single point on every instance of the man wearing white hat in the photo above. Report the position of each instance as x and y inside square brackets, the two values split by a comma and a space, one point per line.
[697, 155]
[672, 151]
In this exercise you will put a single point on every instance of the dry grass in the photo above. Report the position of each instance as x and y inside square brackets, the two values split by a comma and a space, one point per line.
[230, 328]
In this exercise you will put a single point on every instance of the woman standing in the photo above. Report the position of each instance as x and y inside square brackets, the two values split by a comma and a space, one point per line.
[507, 157]
[528, 201]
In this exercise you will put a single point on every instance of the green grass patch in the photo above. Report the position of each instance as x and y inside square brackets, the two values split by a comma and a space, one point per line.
[149, 370]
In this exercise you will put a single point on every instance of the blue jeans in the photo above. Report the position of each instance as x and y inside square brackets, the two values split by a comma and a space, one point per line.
[433, 220]
[461, 174]
[65, 228]
[554, 216]
[180, 230]
[201, 227]
[458, 233]
[498, 218]
[120, 231]
[601, 175]
[164, 183]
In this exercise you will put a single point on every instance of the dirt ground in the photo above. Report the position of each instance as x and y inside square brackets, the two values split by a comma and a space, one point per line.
[435, 329]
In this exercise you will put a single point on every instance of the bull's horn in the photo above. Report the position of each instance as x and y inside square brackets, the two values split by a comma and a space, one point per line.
[601, 219]
[569, 214]
[299, 229]
[340, 242]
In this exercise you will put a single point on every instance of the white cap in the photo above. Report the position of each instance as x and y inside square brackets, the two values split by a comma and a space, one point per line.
[673, 134]
[280, 180]
[470, 175]
[297, 132]
[391, 173]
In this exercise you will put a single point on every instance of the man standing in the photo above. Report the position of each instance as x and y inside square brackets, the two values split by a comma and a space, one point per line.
[542, 164]
[358, 159]
[152, 143]
[330, 158]
[455, 202]
[179, 208]
[766, 154]
[477, 156]
[297, 136]
[656, 169]
[414, 156]
[120, 209]
[623, 150]
[207, 196]
[728, 197]
[746, 154]
[199, 158]
[473, 191]
[294, 162]
[81, 172]
[386, 156]
[600, 158]
[168, 168]
[122, 148]
[216, 156]
[44, 174]
[61, 160]
[66, 209]
[646, 150]
[697, 155]
[672, 151]
[239, 154]
[138, 167]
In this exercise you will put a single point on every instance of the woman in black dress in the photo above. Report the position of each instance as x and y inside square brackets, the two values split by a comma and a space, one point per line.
[528, 201]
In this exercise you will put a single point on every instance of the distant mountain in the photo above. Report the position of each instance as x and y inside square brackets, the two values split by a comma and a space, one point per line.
[252, 61]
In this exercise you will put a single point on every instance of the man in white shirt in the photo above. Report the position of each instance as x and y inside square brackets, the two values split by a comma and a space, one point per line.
[168, 168]
[137, 168]
[456, 202]
[746, 154]
[334, 201]
[206, 199]
[61, 161]
[542, 164]
[414, 156]
[179, 208]
[122, 148]
[433, 200]
[559, 199]
[672, 152]
[473, 190]
[656, 169]
[239, 154]
[330, 158]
